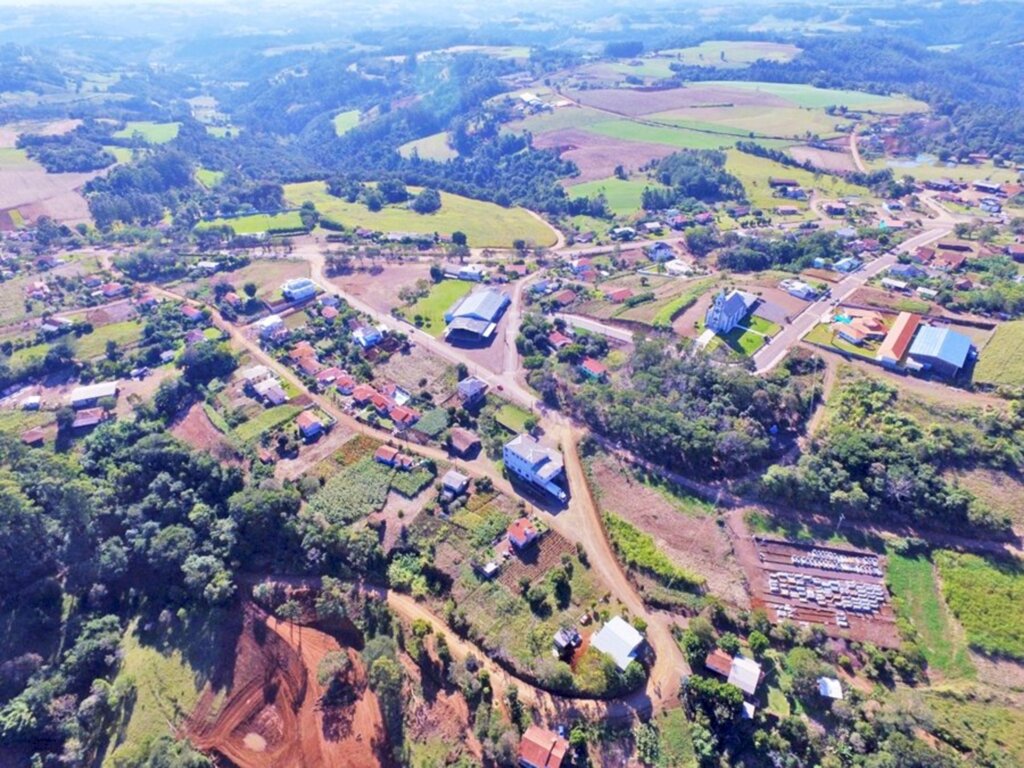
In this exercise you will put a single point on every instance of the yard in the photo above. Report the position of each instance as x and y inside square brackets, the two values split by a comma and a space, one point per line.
[151, 132]
[264, 421]
[256, 223]
[209, 178]
[512, 417]
[125, 334]
[746, 339]
[431, 308]
[1001, 361]
[824, 334]
[484, 224]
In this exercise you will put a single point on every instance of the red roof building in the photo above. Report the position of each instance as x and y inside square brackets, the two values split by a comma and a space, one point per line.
[363, 394]
[386, 455]
[345, 384]
[565, 297]
[540, 748]
[301, 350]
[404, 417]
[719, 662]
[593, 369]
[618, 295]
[522, 533]
[558, 340]
[329, 313]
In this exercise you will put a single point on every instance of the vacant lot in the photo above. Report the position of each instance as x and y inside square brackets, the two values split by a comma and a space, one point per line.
[1001, 491]
[266, 274]
[978, 723]
[485, 224]
[775, 122]
[346, 121]
[433, 147]
[124, 335]
[623, 195]
[379, 283]
[428, 312]
[266, 420]
[152, 133]
[1002, 359]
[256, 223]
[839, 161]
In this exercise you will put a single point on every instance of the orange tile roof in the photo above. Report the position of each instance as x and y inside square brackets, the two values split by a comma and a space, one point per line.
[894, 347]
[540, 748]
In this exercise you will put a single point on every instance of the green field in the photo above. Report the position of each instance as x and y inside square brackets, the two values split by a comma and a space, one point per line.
[272, 418]
[753, 122]
[819, 98]
[152, 133]
[1002, 359]
[221, 131]
[209, 178]
[13, 158]
[126, 334]
[433, 147]
[914, 584]
[730, 54]
[683, 138]
[256, 223]
[345, 121]
[986, 596]
[431, 308]
[992, 728]
[512, 417]
[674, 742]
[930, 171]
[485, 224]
[676, 306]
[755, 172]
[121, 154]
[624, 197]
[16, 422]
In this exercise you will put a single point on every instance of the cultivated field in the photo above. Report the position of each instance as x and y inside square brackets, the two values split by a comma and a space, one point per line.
[755, 173]
[151, 132]
[27, 187]
[428, 312]
[257, 223]
[1002, 359]
[485, 224]
[597, 155]
[379, 283]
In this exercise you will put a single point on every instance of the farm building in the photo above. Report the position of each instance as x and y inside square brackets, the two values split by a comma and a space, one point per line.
[940, 350]
[476, 315]
[618, 295]
[454, 482]
[33, 436]
[90, 394]
[897, 340]
[474, 273]
[620, 640]
[536, 464]
[299, 289]
[540, 748]
[89, 418]
[728, 310]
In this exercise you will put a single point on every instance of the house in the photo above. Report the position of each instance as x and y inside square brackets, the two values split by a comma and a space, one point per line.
[193, 337]
[462, 442]
[540, 748]
[488, 570]
[745, 674]
[366, 336]
[454, 482]
[847, 265]
[834, 209]
[660, 252]
[787, 210]
[232, 299]
[403, 417]
[894, 285]
[927, 293]
[949, 261]
[209, 267]
[799, 289]
[270, 326]
[255, 374]
[329, 376]
[719, 662]
[345, 384]
[472, 272]
[522, 533]
[299, 289]
[309, 366]
[92, 281]
[728, 310]
[622, 233]
[565, 297]
[112, 290]
[147, 300]
[566, 640]
[829, 688]
[620, 640]
[34, 436]
[585, 237]
[923, 255]
[89, 418]
[192, 314]
[536, 464]
[31, 403]
[363, 393]
[90, 394]
[38, 290]
[580, 265]
[593, 369]
[653, 227]
[704, 218]
[737, 211]
[618, 295]
[271, 391]
[847, 233]
[941, 350]
[329, 314]
[963, 284]
[301, 350]
[988, 187]
[906, 271]
[1015, 251]
[386, 455]
[327, 300]
[309, 425]
[558, 340]
[897, 340]
[475, 316]
[472, 391]
[382, 404]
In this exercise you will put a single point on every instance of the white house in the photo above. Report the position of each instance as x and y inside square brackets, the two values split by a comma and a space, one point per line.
[536, 464]
[620, 640]
[727, 311]
[745, 674]
[85, 396]
[299, 289]
[270, 325]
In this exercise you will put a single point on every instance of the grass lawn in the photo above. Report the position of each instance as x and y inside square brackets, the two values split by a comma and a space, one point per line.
[92, 345]
[819, 98]
[743, 341]
[822, 334]
[345, 121]
[485, 224]
[265, 421]
[21, 357]
[913, 582]
[152, 133]
[431, 308]
[208, 178]
[755, 171]
[1002, 359]
[512, 417]
[624, 196]
[433, 147]
[675, 744]
[256, 223]
[123, 154]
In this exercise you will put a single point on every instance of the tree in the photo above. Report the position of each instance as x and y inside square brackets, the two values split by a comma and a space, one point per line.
[427, 201]
[648, 748]
[459, 238]
[206, 361]
[250, 289]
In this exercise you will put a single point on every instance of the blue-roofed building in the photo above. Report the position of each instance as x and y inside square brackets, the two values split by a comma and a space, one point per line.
[299, 289]
[849, 264]
[475, 316]
[941, 350]
[906, 271]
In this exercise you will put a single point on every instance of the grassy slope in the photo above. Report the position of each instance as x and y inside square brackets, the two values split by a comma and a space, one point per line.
[346, 121]
[152, 133]
[809, 96]
[485, 224]
[624, 196]
[433, 306]
[1002, 359]
[94, 344]
[257, 222]
[266, 420]
[433, 147]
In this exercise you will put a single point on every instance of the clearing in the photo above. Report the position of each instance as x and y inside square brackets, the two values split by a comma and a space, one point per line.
[624, 195]
[433, 147]
[485, 224]
[345, 121]
[428, 313]
[1002, 360]
[151, 132]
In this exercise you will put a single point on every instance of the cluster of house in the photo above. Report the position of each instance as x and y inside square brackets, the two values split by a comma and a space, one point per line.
[85, 400]
[391, 401]
[272, 329]
[475, 316]
[909, 342]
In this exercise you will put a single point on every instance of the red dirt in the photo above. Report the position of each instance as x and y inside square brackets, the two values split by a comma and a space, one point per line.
[271, 715]
[196, 429]
[631, 102]
[380, 287]
[596, 155]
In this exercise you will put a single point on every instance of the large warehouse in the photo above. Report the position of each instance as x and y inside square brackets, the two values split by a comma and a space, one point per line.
[475, 316]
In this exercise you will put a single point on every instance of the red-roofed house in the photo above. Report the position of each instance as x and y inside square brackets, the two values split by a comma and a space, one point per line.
[329, 313]
[522, 533]
[949, 261]
[386, 455]
[923, 255]
[232, 299]
[719, 661]
[381, 404]
[191, 313]
[309, 425]
[345, 384]
[301, 350]
[329, 376]
[618, 295]
[540, 748]
[564, 298]
[363, 394]
[404, 417]
[593, 369]
[558, 340]
[309, 366]
[110, 290]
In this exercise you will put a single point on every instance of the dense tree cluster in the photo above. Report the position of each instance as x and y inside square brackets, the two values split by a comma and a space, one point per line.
[692, 174]
[790, 252]
[139, 193]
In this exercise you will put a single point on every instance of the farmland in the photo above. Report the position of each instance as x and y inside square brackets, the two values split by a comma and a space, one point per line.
[433, 147]
[352, 493]
[728, 54]
[25, 185]
[152, 133]
[125, 334]
[345, 121]
[977, 722]
[623, 195]
[266, 420]
[208, 178]
[1002, 360]
[755, 172]
[431, 308]
[985, 595]
[638, 550]
[256, 223]
[485, 224]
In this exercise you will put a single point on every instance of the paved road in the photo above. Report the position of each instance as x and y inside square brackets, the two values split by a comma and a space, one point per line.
[772, 354]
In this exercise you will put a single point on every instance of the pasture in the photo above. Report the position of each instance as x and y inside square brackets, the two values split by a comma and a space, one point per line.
[124, 335]
[25, 185]
[256, 223]
[928, 169]
[433, 147]
[121, 154]
[209, 178]
[151, 132]
[431, 308]
[731, 54]
[1001, 361]
[818, 98]
[345, 121]
[623, 195]
[755, 172]
[485, 224]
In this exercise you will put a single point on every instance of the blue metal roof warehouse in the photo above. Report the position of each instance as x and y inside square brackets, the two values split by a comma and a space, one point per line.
[477, 313]
[942, 349]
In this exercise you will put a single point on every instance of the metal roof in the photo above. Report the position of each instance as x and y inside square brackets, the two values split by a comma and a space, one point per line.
[619, 640]
[486, 305]
[942, 344]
